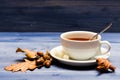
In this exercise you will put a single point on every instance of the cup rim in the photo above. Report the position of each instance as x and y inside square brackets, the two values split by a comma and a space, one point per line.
[61, 36]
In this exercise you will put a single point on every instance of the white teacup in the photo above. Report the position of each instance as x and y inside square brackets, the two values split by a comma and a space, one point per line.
[76, 44]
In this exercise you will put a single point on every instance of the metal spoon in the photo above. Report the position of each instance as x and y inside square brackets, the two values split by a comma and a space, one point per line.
[107, 27]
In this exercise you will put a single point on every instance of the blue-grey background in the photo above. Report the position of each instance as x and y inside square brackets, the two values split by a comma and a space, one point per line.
[58, 15]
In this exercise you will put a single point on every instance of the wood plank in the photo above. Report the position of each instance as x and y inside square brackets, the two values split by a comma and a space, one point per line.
[58, 15]
[42, 41]
[40, 3]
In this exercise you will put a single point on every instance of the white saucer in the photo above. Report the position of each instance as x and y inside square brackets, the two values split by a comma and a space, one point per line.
[58, 50]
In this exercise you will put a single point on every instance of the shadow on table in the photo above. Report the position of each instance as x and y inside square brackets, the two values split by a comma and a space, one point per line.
[61, 65]
[81, 68]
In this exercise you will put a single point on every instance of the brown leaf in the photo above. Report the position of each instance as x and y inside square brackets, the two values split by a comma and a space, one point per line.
[23, 66]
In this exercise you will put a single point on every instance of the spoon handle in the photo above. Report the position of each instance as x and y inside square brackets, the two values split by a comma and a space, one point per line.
[102, 31]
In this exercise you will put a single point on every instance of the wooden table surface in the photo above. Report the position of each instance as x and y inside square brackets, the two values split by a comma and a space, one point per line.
[9, 42]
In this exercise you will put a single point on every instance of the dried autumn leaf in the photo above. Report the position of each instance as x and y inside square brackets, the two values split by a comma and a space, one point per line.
[34, 60]
[30, 54]
[23, 66]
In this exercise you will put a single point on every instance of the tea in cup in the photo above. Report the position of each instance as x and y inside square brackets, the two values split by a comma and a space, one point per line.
[77, 44]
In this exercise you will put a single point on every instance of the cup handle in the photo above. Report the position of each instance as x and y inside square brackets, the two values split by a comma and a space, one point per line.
[107, 44]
